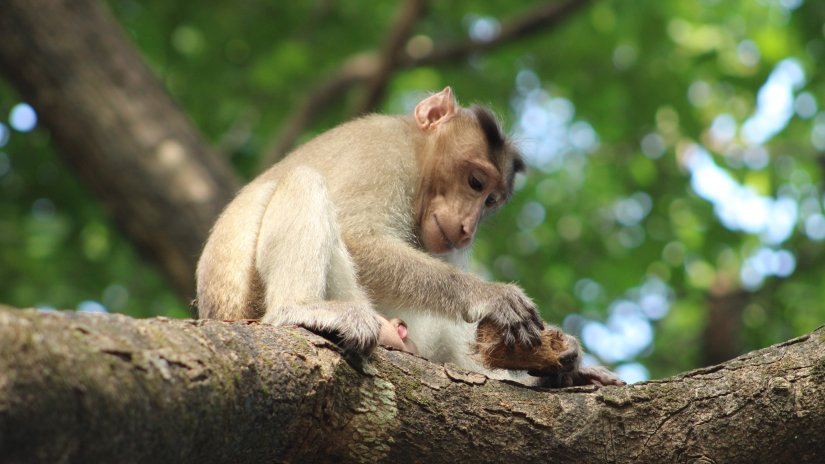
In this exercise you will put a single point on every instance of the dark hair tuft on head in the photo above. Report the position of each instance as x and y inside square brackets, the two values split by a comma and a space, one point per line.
[518, 163]
[489, 126]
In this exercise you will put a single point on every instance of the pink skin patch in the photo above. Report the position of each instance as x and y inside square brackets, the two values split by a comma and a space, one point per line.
[402, 331]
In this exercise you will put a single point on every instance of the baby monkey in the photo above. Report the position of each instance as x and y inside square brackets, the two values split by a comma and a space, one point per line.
[377, 216]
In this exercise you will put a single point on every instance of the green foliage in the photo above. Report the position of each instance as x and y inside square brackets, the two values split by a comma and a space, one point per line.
[58, 248]
[648, 77]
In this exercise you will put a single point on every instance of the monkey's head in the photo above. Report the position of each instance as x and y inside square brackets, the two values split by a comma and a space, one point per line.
[467, 171]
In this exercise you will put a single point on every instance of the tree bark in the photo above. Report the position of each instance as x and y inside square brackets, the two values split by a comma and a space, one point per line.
[78, 387]
[117, 127]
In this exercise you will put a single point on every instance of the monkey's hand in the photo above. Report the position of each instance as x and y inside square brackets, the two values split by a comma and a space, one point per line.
[513, 314]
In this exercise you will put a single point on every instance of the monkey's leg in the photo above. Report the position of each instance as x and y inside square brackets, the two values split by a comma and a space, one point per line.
[307, 274]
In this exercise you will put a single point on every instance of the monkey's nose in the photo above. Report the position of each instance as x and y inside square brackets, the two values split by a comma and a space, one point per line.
[465, 240]
[466, 234]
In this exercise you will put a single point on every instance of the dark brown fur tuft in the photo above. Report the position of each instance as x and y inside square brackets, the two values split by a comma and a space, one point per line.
[501, 149]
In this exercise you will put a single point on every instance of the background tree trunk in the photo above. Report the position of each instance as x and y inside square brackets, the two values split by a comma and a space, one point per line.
[721, 339]
[117, 128]
[78, 387]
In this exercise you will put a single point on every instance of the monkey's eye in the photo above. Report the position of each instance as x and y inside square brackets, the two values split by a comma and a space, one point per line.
[491, 201]
[476, 184]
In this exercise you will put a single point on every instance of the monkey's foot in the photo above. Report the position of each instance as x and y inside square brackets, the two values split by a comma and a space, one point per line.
[354, 326]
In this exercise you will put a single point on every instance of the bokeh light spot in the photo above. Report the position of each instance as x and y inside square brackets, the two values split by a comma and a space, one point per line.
[89, 306]
[22, 117]
[632, 372]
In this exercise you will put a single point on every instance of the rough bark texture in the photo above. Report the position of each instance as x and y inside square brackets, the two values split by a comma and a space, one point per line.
[117, 127]
[107, 388]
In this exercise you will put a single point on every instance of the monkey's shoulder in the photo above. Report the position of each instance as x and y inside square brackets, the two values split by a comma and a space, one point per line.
[363, 151]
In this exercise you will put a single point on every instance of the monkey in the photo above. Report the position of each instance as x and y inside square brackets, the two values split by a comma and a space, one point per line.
[376, 216]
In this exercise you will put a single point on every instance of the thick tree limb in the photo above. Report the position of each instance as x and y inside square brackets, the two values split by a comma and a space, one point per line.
[117, 127]
[107, 388]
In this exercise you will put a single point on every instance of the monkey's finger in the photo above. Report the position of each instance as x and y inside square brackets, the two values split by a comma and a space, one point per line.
[509, 339]
[536, 331]
[532, 321]
[536, 319]
[530, 336]
[528, 340]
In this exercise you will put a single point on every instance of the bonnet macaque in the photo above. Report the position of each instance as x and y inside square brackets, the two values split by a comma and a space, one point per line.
[377, 216]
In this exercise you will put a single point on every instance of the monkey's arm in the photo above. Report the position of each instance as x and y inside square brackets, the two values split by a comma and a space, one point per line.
[396, 275]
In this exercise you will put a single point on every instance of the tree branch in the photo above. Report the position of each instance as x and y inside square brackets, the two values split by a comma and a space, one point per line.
[355, 69]
[534, 20]
[107, 388]
[393, 49]
[367, 66]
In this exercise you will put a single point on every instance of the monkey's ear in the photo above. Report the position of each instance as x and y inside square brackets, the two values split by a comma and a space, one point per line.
[435, 109]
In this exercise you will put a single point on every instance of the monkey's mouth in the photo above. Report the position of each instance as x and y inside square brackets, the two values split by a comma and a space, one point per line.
[450, 244]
